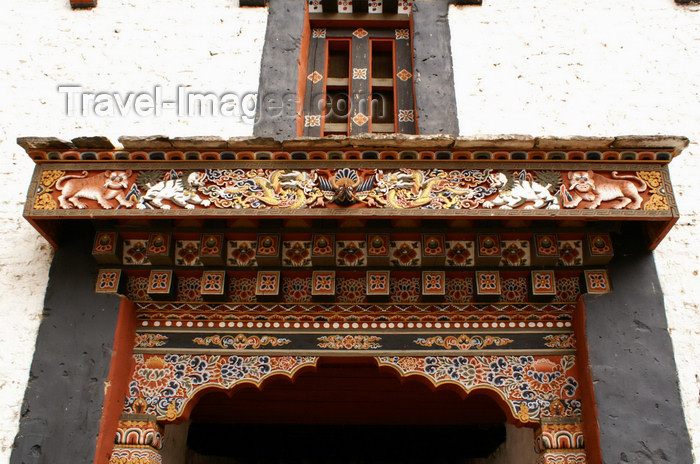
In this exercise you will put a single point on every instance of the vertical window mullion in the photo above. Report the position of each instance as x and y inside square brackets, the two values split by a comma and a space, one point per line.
[405, 104]
[315, 85]
[360, 113]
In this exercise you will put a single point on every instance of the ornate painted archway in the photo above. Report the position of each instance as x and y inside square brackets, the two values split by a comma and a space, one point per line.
[456, 260]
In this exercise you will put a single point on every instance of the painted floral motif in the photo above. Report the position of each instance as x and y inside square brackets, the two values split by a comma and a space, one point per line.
[189, 289]
[405, 290]
[137, 288]
[135, 252]
[242, 289]
[532, 386]
[351, 290]
[268, 282]
[401, 34]
[597, 281]
[351, 253]
[163, 384]
[433, 281]
[213, 282]
[318, 33]
[405, 253]
[241, 341]
[324, 282]
[359, 32]
[568, 289]
[107, 280]
[312, 120]
[150, 340]
[43, 199]
[543, 281]
[296, 289]
[514, 290]
[377, 283]
[296, 253]
[360, 119]
[459, 290]
[657, 200]
[460, 253]
[560, 341]
[349, 342]
[463, 342]
[570, 253]
[359, 73]
[159, 281]
[488, 281]
[406, 116]
[315, 77]
[187, 253]
[515, 253]
[404, 74]
[241, 253]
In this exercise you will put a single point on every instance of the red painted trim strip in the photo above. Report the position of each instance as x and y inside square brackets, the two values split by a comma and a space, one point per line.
[118, 380]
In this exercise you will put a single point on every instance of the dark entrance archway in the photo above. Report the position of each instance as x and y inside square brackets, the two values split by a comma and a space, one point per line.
[346, 410]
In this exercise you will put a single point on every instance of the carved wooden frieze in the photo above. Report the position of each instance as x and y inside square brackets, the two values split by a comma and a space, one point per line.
[221, 189]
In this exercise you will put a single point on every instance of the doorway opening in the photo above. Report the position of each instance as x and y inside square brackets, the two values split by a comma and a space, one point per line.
[347, 410]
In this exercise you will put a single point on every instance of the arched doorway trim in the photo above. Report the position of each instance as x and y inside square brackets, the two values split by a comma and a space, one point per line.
[533, 387]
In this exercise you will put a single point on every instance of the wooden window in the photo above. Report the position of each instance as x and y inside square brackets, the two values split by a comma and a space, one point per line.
[359, 80]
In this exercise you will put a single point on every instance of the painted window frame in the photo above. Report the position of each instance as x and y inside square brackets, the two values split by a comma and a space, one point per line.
[362, 87]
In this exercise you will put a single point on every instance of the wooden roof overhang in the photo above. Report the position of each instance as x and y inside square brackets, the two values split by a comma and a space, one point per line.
[500, 178]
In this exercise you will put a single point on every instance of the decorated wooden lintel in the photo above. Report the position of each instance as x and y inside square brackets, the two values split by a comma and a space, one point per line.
[222, 189]
[376, 176]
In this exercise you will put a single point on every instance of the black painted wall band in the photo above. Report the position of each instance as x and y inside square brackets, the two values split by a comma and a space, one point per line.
[634, 372]
[60, 417]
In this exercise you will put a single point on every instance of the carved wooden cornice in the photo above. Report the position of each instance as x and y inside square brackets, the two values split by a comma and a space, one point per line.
[500, 177]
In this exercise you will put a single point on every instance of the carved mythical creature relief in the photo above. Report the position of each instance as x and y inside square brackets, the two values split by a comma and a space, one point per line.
[596, 188]
[522, 189]
[260, 188]
[346, 188]
[101, 187]
[432, 189]
[182, 192]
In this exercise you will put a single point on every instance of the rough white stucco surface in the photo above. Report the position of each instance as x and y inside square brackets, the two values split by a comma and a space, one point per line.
[585, 67]
[120, 46]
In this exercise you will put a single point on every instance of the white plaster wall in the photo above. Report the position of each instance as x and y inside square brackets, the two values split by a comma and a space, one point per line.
[120, 46]
[588, 67]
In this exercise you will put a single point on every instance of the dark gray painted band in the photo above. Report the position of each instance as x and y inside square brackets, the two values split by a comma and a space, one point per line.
[279, 70]
[436, 104]
[60, 417]
[634, 372]
[279, 74]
